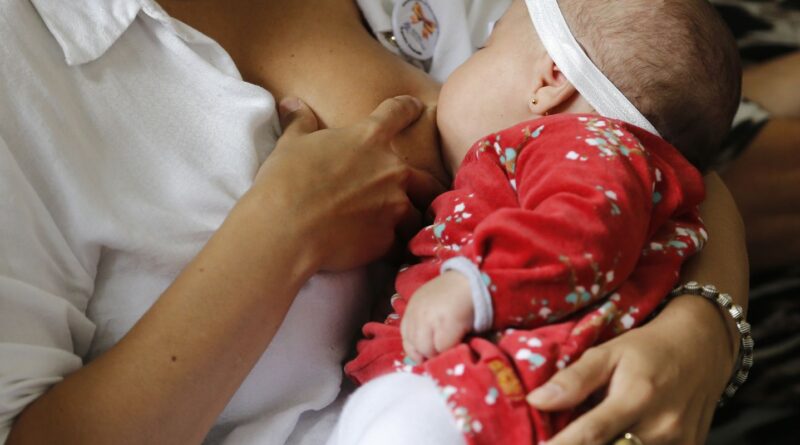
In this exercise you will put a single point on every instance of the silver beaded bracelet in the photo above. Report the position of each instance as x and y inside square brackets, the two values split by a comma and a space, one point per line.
[735, 311]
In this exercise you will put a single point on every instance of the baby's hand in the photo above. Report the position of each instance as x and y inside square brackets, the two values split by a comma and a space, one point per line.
[438, 316]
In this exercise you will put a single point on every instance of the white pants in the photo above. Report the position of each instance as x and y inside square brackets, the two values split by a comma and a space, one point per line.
[397, 409]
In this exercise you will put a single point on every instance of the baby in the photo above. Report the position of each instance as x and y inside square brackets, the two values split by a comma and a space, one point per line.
[569, 227]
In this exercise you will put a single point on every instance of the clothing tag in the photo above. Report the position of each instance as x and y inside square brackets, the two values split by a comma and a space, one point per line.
[416, 29]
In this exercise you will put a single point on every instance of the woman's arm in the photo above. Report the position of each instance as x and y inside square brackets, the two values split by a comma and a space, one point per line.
[204, 332]
[664, 379]
[168, 379]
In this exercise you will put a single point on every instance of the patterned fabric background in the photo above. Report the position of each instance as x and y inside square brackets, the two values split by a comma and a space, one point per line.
[765, 29]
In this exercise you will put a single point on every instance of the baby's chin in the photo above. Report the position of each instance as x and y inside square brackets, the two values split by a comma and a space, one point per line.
[454, 149]
[458, 131]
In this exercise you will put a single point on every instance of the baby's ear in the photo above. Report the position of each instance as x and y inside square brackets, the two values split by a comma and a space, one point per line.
[552, 91]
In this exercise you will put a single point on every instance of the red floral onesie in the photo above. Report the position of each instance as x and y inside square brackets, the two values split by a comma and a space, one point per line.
[579, 226]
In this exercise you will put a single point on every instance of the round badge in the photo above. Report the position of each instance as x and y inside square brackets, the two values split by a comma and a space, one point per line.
[416, 29]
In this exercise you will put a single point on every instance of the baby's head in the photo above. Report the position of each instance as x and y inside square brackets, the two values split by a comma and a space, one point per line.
[674, 60]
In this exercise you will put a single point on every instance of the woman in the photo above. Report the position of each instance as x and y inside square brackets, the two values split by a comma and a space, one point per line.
[336, 194]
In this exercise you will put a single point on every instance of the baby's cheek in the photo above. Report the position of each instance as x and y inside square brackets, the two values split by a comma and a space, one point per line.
[454, 129]
[474, 103]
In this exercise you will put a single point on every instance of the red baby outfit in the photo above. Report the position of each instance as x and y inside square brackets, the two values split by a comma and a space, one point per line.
[579, 226]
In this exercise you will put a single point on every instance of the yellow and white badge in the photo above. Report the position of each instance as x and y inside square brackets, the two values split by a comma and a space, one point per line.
[416, 29]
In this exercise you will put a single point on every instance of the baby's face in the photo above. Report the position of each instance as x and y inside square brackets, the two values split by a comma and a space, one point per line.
[492, 90]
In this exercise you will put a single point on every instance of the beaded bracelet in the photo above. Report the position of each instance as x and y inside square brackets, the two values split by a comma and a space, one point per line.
[735, 311]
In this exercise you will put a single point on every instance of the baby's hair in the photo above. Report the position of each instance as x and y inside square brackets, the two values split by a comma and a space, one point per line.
[675, 60]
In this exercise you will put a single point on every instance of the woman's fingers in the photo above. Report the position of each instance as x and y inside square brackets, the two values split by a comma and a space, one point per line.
[359, 194]
[423, 187]
[296, 117]
[572, 385]
[608, 420]
[597, 427]
[393, 116]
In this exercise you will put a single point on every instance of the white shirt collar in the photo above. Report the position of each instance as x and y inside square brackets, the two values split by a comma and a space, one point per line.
[86, 29]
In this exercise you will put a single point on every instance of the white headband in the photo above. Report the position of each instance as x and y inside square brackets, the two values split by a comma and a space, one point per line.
[570, 58]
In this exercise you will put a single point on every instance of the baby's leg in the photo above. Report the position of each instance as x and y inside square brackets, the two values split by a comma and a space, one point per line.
[397, 409]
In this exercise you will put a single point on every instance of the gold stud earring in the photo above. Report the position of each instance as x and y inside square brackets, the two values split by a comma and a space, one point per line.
[534, 101]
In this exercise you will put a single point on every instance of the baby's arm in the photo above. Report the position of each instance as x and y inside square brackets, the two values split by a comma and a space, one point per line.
[586, 204]
[583, 220]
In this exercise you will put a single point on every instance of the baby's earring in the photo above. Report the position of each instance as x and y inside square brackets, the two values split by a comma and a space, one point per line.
[534, 103]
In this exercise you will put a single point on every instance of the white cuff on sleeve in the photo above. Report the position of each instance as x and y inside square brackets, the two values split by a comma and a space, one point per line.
[481, 300]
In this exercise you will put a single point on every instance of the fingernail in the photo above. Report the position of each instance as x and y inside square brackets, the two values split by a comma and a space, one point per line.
[545, 394]
[289, 105]
[416, 101]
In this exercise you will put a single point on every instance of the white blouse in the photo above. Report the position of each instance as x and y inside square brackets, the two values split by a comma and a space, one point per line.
[464, 27]
[126, 137]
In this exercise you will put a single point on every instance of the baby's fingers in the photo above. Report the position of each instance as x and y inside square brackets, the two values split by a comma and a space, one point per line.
[411, 351]
[407, 329]
[447, 336]
[422, 340]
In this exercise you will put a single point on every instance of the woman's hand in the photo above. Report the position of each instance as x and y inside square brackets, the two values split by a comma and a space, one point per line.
[658, 388]
[346, 190]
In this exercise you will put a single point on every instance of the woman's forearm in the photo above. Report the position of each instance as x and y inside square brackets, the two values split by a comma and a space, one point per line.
[723, 263]
[724, 260]
[169, 378]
